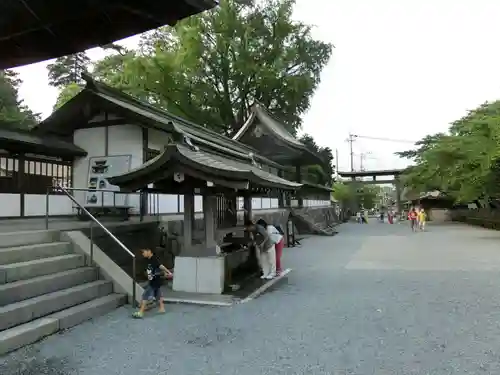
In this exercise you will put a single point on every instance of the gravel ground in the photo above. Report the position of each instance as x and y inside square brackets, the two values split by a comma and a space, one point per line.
[332, 317]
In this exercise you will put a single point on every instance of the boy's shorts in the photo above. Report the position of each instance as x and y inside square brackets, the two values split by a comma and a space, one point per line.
[151, 292]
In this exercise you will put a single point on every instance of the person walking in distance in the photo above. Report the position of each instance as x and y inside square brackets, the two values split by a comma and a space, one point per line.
[413, 216]
[422, 218]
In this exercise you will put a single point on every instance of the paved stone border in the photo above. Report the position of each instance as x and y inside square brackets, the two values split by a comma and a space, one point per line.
[266, 286]
[213, 300]
[194, 301]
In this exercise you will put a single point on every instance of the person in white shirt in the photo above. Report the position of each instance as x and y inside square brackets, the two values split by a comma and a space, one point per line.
[269, 259]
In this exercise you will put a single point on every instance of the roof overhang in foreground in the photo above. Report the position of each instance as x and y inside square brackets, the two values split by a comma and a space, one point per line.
[38, 30]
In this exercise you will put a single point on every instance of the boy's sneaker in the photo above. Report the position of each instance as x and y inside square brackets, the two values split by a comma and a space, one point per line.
[138, 315]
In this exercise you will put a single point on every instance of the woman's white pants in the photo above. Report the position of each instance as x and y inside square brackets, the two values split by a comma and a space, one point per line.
[268, 261]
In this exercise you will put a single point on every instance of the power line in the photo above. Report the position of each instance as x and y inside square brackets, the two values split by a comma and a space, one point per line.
[381, 139]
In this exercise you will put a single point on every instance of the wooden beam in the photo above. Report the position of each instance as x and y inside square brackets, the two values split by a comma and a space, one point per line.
[369, 182]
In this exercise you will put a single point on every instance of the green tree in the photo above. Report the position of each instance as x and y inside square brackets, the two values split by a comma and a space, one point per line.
[356, 195]
[320, 174]
[343, 193]
[368, 196]
[68, 69]
[13, 112]
[211, 67]
[465, 162]
[67, 93]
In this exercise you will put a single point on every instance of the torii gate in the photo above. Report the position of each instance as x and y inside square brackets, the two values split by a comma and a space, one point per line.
[354, 176]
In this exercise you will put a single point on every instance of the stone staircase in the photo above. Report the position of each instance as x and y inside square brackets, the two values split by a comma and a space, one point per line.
[45, 287]
[315, 221]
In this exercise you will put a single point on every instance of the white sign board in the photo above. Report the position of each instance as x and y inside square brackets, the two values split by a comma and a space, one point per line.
[100, 169]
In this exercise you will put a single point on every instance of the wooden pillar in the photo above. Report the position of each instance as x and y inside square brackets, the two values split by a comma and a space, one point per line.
[298, 178]
[281, 195]
[247, 206]
[188, 223]
[21, 182]
[143, 204]
[233, 208]
[209, 214]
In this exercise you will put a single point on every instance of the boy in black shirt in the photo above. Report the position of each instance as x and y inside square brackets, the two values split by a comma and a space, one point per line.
[155, 272]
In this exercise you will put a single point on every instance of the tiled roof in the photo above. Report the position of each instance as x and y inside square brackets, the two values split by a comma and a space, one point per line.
[178, 158]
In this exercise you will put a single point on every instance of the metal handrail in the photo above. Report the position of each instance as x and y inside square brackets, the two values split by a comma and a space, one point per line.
[156, 202]
[113, 237]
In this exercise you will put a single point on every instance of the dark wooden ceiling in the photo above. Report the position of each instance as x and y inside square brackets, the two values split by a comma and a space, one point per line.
[38, 30]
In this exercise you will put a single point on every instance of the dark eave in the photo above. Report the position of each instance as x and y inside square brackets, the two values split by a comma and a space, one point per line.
[309, 186]
[38, 30]
[97, 96]
[25, 142]
[295, 151]
[179, 158]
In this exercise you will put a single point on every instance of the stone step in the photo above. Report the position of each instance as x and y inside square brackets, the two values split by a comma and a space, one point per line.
[33, 237]
[26, 253]
[25, 311]
[25, 289]
[46, 266]
[28, 333]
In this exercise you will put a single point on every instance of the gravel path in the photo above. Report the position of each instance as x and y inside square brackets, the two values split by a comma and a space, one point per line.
[375, 299]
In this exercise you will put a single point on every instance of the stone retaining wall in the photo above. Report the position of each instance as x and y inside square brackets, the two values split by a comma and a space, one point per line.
[484, 217]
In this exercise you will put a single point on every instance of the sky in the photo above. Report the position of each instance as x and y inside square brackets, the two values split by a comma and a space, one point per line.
[401, 69]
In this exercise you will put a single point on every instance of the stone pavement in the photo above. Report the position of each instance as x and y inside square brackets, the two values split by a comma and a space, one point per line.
[375, 299]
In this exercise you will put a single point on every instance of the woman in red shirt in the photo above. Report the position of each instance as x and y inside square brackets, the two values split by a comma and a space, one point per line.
[412, 216]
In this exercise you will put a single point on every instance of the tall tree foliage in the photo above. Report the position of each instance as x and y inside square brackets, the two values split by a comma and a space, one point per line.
[66, 93]
[211, 67]
[465, 162]
[13, 112]
[68, 69]
[321, 174]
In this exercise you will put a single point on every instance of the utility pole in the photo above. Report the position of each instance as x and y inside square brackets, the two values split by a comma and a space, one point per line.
[351, 140]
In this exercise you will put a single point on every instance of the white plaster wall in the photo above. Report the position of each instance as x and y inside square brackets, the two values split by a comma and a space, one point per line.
[93, 141]
[162, 203]
[198, 203]
[122, 140]
[35, 205]
[256, 203]
[11, 205]
[127, 140]
[157, 139]
[265, 203]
